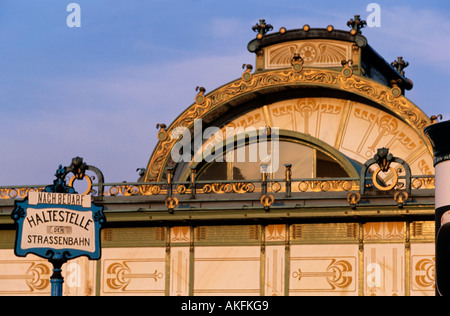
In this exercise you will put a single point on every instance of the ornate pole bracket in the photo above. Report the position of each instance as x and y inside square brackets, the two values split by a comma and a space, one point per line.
[384, 159]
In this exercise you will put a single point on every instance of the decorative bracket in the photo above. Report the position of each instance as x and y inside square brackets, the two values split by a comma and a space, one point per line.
[384, 159]
[78, 168]
[353, 198]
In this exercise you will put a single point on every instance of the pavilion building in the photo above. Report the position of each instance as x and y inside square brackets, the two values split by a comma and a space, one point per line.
[309, 174]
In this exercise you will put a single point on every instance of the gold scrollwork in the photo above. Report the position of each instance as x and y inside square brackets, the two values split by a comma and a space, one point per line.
[181, 189]
[427, 183]
[220, 188]
[276, 187]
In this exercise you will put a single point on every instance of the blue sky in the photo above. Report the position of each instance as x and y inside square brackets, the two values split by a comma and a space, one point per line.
[99, 90]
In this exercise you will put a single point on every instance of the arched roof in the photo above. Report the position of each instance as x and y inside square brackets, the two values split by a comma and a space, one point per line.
[385, 104]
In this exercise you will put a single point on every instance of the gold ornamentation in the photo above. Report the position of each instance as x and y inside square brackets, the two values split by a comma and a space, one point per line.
[353, 198]
[40, 280]
[338, 274]
[12, 193]
[395, 90]
[267, 201]
[400, 197]
[297, 63]
[325, 185]
[199, 98]
[425, 273]
[120, 276]
[347, 71]
[88, 180]
[313, 76]
[435, 118]
[314, 53]
[171, 203]
[221, 188]
[389, 187]
[247, 75]
[162, 135]
[276, 187]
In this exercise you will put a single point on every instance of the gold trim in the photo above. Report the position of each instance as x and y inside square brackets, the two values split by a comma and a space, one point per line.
[89, 181]
[382, 188]
[325, 78]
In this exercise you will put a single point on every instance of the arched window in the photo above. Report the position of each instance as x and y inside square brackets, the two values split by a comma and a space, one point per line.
[244, 163]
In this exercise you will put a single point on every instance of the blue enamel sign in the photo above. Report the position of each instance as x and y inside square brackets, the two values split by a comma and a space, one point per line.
[52, 224]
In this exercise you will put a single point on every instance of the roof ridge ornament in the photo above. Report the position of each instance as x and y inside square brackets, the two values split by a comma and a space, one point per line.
[356, 24]
[262, 28]
[399, 65]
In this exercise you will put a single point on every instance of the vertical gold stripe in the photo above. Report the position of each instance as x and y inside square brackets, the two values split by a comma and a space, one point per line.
[407, 273]
[344, 119]
[267, 116]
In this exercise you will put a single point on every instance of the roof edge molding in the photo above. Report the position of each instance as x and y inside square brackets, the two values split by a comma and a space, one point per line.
[250, 86]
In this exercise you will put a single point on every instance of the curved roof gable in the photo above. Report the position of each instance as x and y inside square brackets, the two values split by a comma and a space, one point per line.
[277, 78]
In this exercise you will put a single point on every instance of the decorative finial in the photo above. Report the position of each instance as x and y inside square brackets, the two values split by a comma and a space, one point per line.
[78, 167]
[200, 98]
[262, 28]
[435, 118]
[246, 75]
[297, 62]
[399, 65]
[356, 24]
[162, 133]
[347, 64]
[161, 126]
[383, 158]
